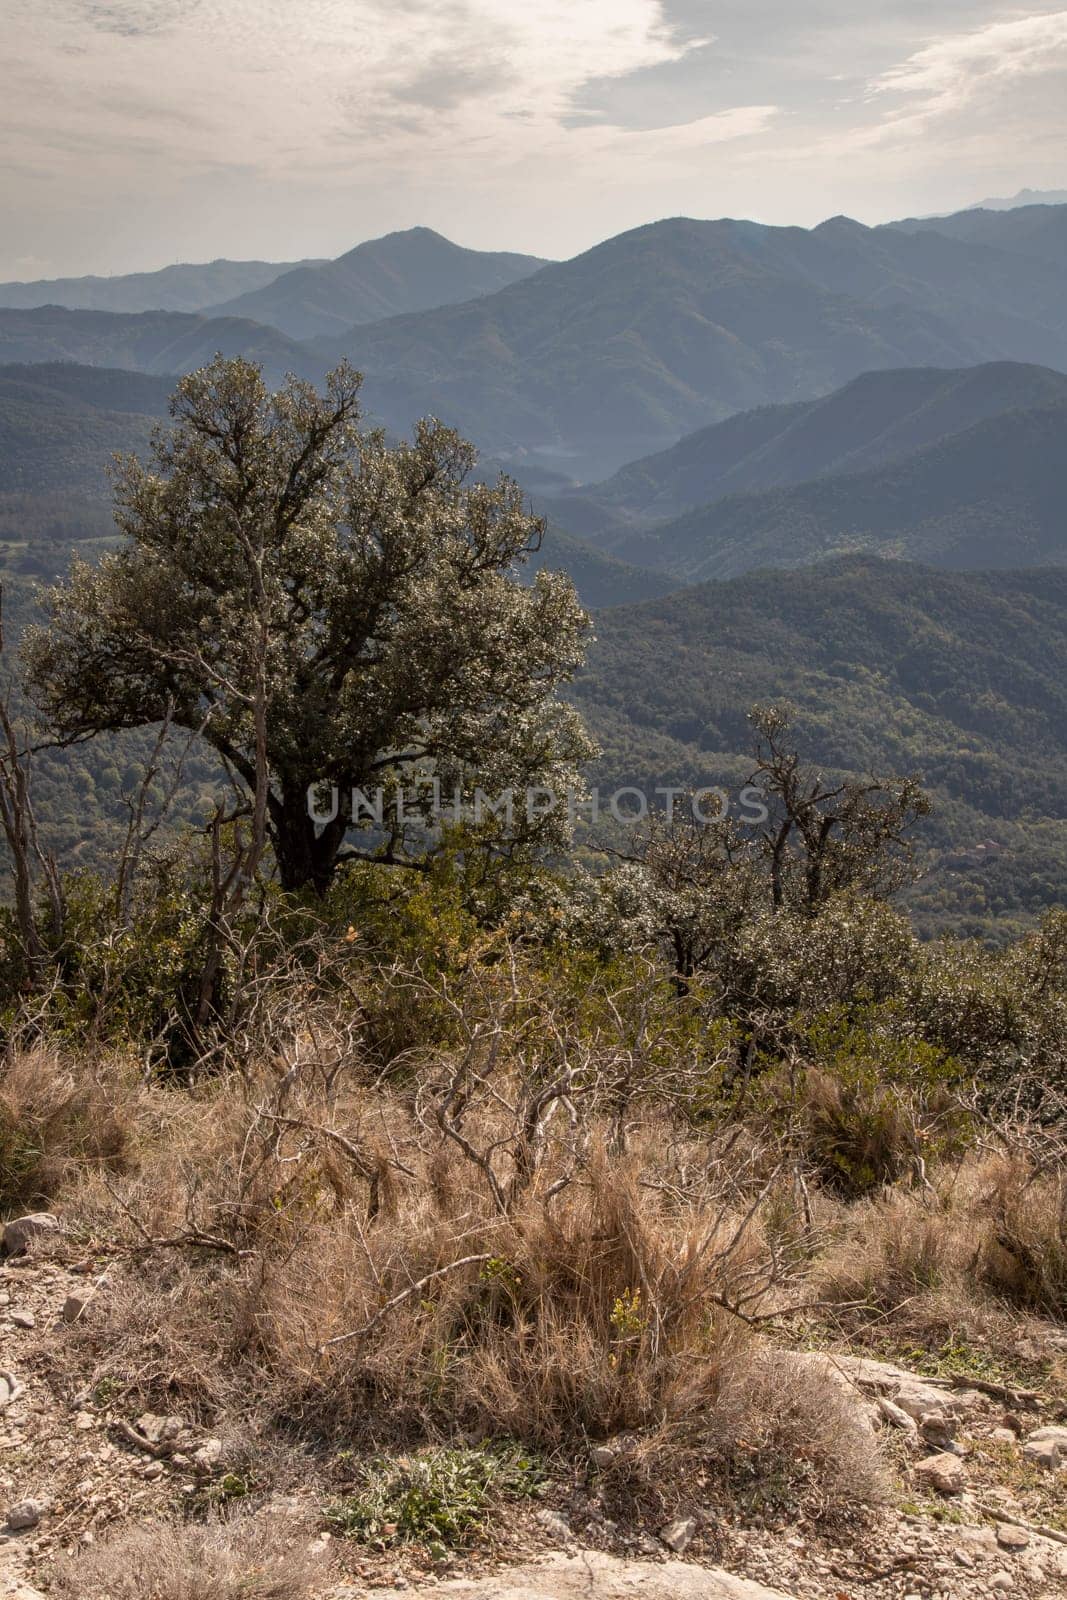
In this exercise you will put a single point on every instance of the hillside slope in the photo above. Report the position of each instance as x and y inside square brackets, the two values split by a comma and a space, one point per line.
[409, 271]
[151, 341]
[876, 418]
[994, 495]
[890, 668]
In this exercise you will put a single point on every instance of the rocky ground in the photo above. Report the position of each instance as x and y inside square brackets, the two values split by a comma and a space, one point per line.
[978, 1509]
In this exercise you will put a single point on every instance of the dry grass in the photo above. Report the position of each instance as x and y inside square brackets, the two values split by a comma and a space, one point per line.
[57, 1123]
[525, 1236]
[969, 1257]
[169, 1561]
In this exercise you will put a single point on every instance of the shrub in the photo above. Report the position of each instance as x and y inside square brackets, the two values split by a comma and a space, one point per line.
[243, 1560]
[55, 1122]
[441, 1495]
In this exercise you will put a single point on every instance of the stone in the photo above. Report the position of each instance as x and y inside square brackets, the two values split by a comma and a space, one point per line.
[208, 1456]
[23, 1319]
[678, 1535]
[1004, 1436]
[84, 1421]
[20, 1231]
[1001, 1582]
[10, 1389]
[896, 1416]
[27, 1514]
[1047, 1447]
[944, 1472]
[554, 1525]
[937, 1429]
[74, 1305]
[1010, 1537]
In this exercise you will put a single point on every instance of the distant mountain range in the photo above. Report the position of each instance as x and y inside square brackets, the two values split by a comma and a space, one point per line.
[147, 341]
[185, 287]
[594, 361]
[580, 366]
[992, 495]
[958, 469]
[1025, 197]
[409, 271]
[1038, 233]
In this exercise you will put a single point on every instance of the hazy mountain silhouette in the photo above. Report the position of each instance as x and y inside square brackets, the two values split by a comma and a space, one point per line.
[409, 271]
[993, 495]
[872, 420]
[594, 361]
[183, 287]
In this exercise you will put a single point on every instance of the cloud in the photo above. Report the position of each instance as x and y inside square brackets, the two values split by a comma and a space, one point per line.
[948, 74]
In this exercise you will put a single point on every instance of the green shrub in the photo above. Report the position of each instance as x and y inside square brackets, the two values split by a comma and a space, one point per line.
[442, 1495]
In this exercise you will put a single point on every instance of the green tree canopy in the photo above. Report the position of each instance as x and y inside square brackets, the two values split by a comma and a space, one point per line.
[328, 608]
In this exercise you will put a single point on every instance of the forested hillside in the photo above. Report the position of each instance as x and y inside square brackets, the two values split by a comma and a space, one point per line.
[877, 418]
[890, 667]
[990, 496]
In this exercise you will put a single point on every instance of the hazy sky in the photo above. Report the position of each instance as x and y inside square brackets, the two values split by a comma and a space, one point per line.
[140, 132]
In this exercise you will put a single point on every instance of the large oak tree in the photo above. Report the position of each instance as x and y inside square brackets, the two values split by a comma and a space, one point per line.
[330, 609]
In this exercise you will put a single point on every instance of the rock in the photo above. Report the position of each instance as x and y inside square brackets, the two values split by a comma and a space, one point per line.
[208, 1456]
[1001, 1582]
[21, 1230]
[84, 1421]
[27, 1514]
[607, 1454]
[23, 1319]
[678, 1535]
[1047, 1447]
[593, 1575]
[896, 1416]
[1010, 1537]
[10, 1389]
[943, 1472]
[1004, 1436]
[554, 1525]
[154, 1469]
[74, 1305]
[937, 1429]
[160, 1430]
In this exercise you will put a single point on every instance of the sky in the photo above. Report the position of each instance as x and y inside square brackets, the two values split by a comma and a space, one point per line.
[137, 133]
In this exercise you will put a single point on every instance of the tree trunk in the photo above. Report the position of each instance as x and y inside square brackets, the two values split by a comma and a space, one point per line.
[306, 856]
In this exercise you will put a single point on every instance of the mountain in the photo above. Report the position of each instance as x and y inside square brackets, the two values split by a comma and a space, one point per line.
[890, 668]
[409, 271]
[1038, 232]
[600, 579]
[679, 324]
[184, 287]
[1025, 197]
[150, 341]
[60, 425]
[993, 495]
[872, 420]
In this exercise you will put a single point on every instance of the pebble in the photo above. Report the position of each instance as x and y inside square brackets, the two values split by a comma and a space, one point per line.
[22, 1319]
[1010, 1537]
[678, 1535]
[27, 1514]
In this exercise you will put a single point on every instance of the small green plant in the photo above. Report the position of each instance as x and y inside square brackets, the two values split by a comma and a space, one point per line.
[441, 1497]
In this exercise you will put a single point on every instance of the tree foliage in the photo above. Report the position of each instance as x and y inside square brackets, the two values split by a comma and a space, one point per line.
[329, 609]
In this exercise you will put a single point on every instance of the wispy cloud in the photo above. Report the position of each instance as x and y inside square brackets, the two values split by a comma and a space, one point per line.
[948, 74]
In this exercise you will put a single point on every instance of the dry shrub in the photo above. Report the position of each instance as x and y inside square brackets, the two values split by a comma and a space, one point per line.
[170, 1561]
[959, 1260]
[56, 1123]
[1024, 1238]
[791, 1431]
